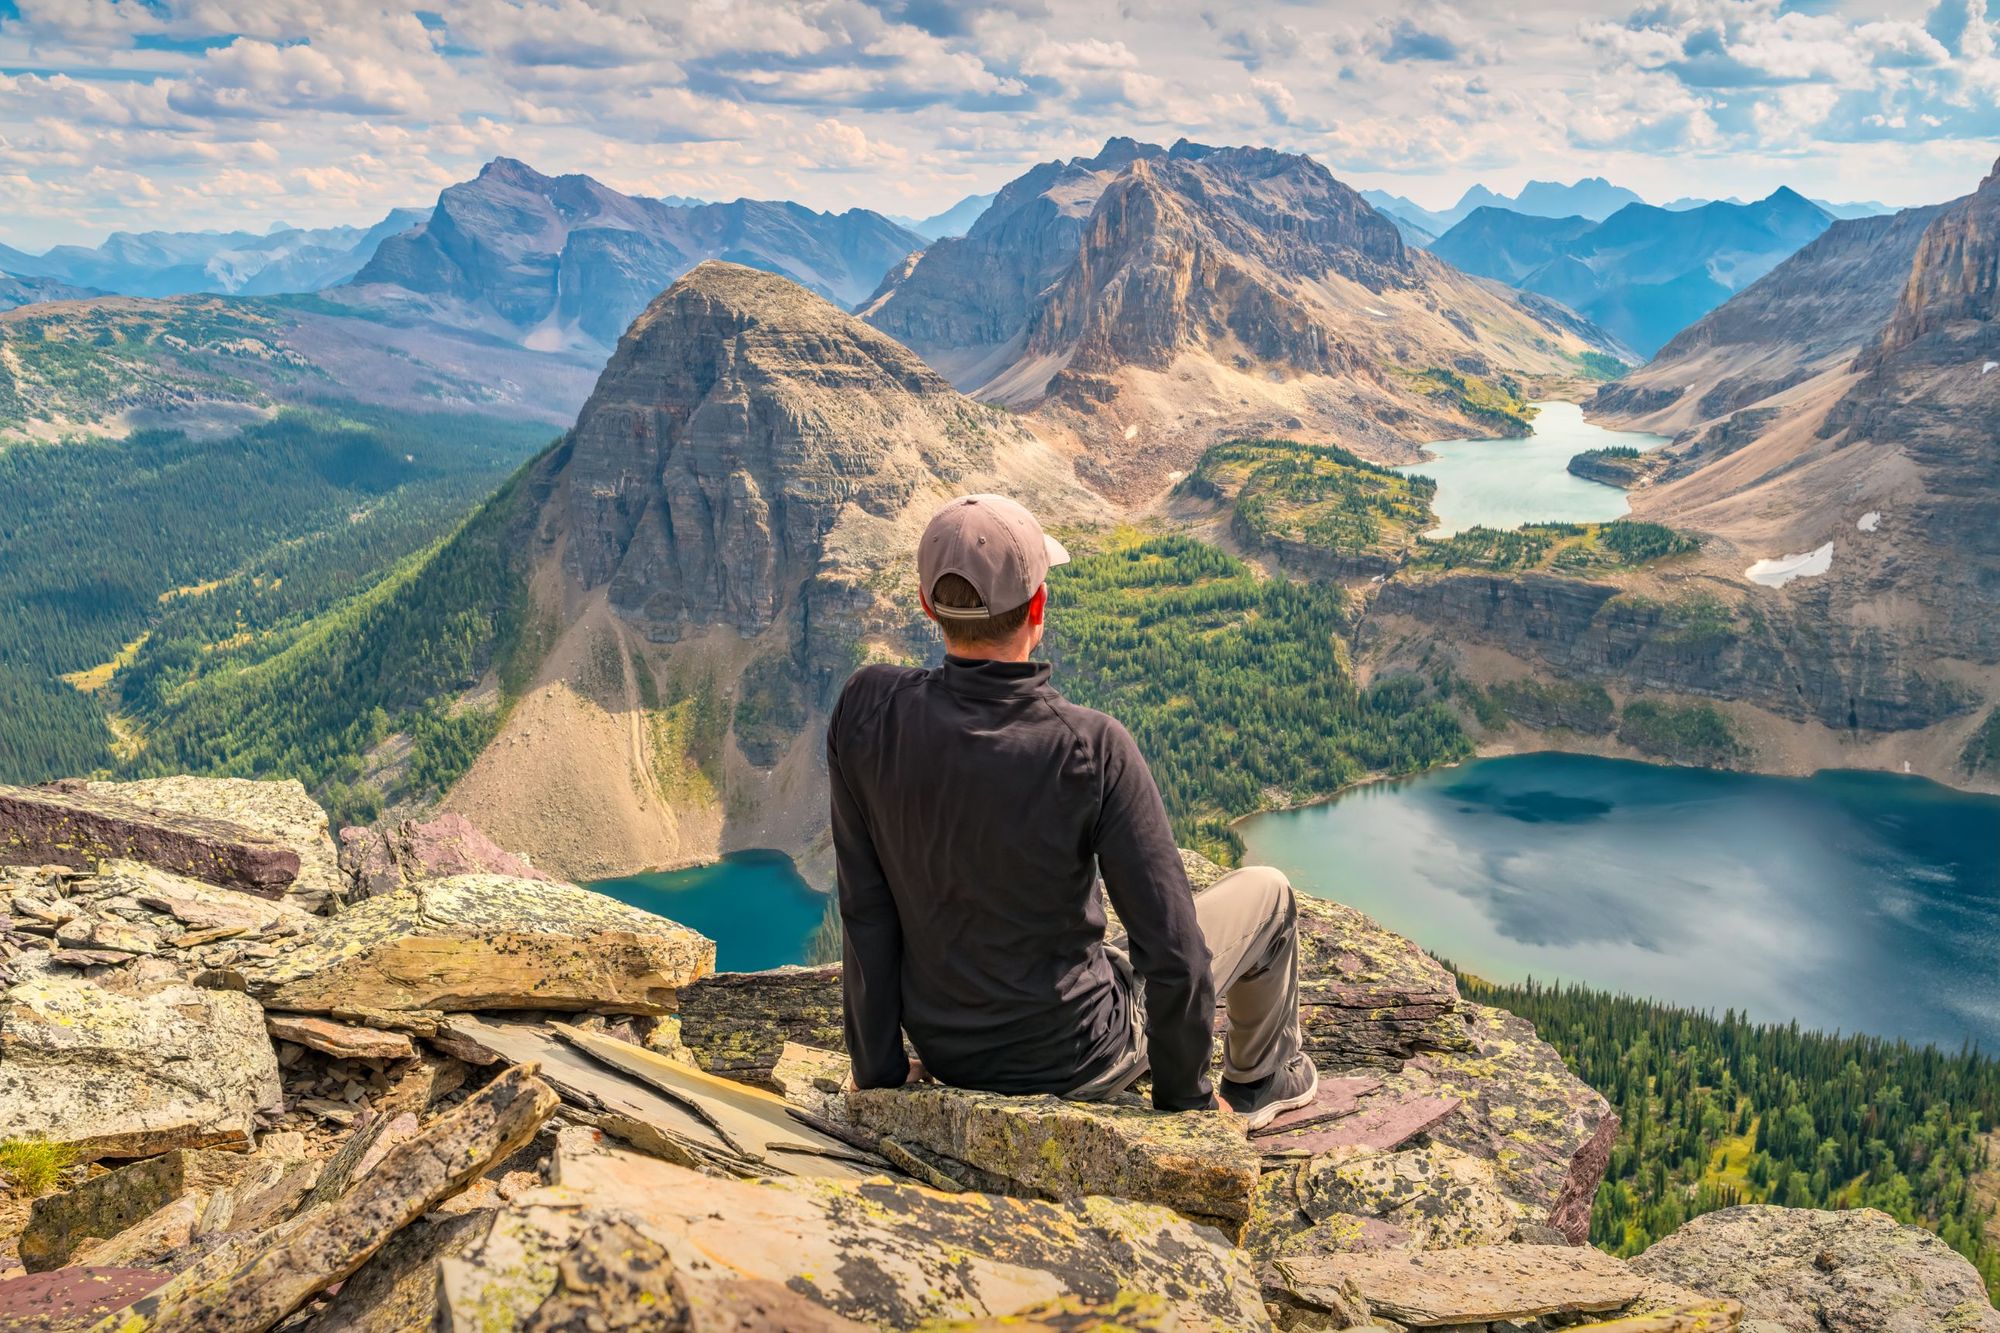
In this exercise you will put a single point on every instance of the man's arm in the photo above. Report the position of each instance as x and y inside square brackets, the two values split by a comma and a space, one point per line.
[871, 971]
[1148, 885]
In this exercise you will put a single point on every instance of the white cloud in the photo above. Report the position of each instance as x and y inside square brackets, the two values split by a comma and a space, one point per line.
[235, 112]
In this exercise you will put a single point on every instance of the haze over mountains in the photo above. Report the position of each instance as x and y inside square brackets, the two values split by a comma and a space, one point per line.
[1644, 273]
[168, 263]
[564, 263]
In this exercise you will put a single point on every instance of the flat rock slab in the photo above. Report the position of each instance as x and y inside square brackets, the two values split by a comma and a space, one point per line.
[71, 1298]
[1379, 1123]
[343, 1041]
[882, 1254]
[108, 1204]
[79, 828]
[1337, 1097]
[1477, 1285]
[117, 1075]
[476, 942]
[281, 809]
[1197, 1163]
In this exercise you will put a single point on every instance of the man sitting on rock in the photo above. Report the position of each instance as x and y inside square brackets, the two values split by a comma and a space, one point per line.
[973, 809]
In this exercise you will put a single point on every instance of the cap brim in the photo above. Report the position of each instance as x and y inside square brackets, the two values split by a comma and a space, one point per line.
[1058, 553]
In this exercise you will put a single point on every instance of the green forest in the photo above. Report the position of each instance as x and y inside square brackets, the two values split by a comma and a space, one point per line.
[178, 558]
[1565, 548]
[1237, 688]
[1318, 494]
[1721, 1111]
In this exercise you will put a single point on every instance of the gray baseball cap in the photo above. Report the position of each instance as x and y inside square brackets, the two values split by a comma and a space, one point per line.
[992, 543]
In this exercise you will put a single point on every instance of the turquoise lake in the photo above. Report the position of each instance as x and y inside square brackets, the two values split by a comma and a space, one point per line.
[1505, 483]
[1863, 902]
[754, 905]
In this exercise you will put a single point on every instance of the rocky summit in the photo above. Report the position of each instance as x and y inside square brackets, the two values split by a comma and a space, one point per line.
[1148, 301]
[476, 1100]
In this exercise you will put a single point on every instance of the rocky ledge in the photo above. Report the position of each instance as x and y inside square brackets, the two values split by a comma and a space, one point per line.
[456, 1094]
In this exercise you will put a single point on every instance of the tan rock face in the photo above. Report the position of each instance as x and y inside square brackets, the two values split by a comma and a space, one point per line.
[1420, 1198]
[117, 1075]
[476, 942]
[1197, 1163]
[872, 1252]
[1825, 1272]
[76, 827]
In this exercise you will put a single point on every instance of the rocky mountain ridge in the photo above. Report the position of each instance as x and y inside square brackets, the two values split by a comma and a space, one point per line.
[345, 1138]
[1644, 273]
[1146, 302]
[734, 510]
[1844, 407]
[564, 263]
[180, 263]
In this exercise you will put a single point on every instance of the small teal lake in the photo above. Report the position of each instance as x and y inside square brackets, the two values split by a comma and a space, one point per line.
[754, 905]
[1864, 902]
[1505, 483]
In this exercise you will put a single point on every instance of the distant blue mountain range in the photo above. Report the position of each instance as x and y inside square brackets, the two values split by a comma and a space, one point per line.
[1644, 272]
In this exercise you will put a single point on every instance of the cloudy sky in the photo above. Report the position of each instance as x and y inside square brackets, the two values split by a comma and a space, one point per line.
[137, 114]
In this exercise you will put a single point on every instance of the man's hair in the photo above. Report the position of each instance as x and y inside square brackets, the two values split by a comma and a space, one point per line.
[952, 590]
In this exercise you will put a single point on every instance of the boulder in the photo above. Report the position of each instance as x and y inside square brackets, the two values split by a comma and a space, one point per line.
[383, 858]
[1547, 1133]
[1197, 1164]
[874, 1252]
[76, 827]
[128, 1075]
[476, 942]
[1476, 1285]
[1825, 1272]
[109, 1204]
[254, 1281]
[190, 903]
[280, 810]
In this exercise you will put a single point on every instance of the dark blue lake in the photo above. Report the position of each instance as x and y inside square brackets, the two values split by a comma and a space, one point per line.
[754, 905]
[1864, 902]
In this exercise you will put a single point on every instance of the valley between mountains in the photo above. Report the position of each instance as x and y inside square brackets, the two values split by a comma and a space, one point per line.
[1195, 362]
[556, 523]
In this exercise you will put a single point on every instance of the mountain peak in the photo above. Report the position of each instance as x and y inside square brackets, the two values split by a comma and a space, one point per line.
[511, 171]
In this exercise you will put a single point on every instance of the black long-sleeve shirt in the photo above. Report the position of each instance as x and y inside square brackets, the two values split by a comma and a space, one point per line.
[972, 806]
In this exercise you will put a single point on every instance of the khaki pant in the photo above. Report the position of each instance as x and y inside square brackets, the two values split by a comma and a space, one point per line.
[1251, 924]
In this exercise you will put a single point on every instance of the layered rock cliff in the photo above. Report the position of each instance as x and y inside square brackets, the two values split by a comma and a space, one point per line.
[724, 534]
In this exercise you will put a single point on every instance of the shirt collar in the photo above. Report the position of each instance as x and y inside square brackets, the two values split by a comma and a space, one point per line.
[984, 678]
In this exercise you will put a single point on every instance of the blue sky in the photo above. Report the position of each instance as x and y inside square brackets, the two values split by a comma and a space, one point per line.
[139, 114]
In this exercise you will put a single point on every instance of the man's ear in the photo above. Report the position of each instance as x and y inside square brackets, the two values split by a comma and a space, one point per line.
[1038, 605]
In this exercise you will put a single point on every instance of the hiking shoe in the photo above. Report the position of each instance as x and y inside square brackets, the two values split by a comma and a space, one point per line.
[1263, 1101]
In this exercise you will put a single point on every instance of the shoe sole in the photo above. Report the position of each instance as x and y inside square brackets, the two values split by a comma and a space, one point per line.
[1264, 1115]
